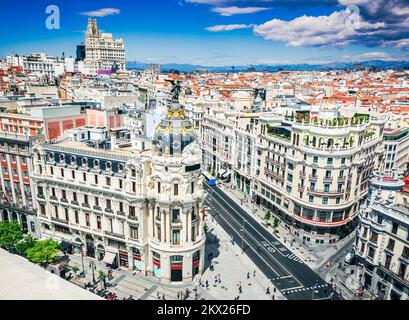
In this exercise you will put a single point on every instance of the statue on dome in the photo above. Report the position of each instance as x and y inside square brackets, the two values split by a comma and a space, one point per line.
[175, 90]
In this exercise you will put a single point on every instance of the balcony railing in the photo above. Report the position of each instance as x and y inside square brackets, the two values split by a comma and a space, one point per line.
[86, 205]
[113, 234]
[59, 220]
[109, 210]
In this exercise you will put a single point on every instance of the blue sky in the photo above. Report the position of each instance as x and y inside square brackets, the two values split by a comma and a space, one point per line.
[218, 32]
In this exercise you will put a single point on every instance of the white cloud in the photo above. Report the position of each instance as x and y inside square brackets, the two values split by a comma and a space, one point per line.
[230, 11]
[228, 27]
[102, 12]
[316, 31]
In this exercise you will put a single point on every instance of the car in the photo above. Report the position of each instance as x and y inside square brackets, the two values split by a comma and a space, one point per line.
[350, 257]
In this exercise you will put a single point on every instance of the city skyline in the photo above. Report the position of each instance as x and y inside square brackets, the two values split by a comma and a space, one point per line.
[221, 32]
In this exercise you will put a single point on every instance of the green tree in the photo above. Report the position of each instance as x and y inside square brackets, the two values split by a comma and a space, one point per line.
[10, 235]
[23, 245]
[44, 251]
[75, 270]
[275, 224]
[267, 216]
[102, 277]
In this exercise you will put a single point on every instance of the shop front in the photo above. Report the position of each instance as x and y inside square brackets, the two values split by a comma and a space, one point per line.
[176, 268]
[123, 259]
[137, 260]
[195, 263]
[156, 264]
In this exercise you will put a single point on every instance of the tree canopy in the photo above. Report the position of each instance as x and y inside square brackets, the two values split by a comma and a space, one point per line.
[44, 251]
[10, 235]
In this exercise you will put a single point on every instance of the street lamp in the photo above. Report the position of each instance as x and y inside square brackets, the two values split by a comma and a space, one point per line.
[242, 237]
[313, 290]
[93, 267]
[82, 260]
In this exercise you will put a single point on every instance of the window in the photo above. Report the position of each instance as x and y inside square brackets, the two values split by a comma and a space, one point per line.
[312, 185]
[337, 200]
[324, 200]
[74, 196]
[53, 192]
[97, 201]
[108, 181]
[108, 166]
[395, 227]
[72, 174]
[99, 225]
[84, 176]
[311, 199]
[67, 216]
[87, 221]
[62, 173]
[315, 159]
[133, 186]
[343, 161]
[176, 237]
[175, 215]
[77, 220]
[96, 179]
[96, 164]
[330, 161]
[326, 187]
[120, 183]
[290, 177]
[391, 244]
[328, 174]
[42, 209]
[192, 187]
[339, 189]
[108, 203]
[158, 184]
[121, 206]
[52, 170]
[85, 199]
[132, 211]
[176, 189]
[133, 172]
[133, 232]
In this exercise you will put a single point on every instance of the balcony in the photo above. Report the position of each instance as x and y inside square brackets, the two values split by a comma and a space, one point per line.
[302, 174]
[341, 179]
[313, 177]
[328, 179]
[109, 210]
[53, 198]
[64, 200]
[40, 196]
[97, 208]
[113, 234]
[75, 203]
[86, 205]
[60, 220]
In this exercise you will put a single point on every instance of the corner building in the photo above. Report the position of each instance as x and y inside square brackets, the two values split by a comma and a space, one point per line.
[131, 209]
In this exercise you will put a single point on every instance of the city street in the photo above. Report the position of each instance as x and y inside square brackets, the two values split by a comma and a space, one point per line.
[293, 278]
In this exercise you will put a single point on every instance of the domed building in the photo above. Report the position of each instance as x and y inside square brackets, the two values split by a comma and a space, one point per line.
[175, 194]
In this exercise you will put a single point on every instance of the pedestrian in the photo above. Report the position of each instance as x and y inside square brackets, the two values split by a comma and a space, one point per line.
[273, 297]
[211, 255]
[268, 290]
[254, 273]
[240, 289]
[157, 295]
[219, 277]
[248, 275]
[178, 295]
[207, 284]
[163, 297]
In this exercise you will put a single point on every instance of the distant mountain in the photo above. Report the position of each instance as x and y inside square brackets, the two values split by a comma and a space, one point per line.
[381, 64]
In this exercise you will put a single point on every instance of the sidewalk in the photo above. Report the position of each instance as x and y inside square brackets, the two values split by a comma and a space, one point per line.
[314, 255]
[124, 283]
[232, 266]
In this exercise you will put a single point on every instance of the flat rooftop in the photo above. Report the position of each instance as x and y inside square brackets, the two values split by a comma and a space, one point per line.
[22, 280]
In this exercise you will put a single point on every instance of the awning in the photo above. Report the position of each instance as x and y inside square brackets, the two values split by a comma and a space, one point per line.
[109, 258]
[66, 246]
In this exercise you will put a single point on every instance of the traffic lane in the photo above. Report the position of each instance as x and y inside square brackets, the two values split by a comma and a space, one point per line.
[282, 283]
[301, 271]
[268, 270]
[251, 239]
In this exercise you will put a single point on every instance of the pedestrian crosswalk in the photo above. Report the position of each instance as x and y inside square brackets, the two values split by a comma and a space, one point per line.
[305, 289]
[295, 258]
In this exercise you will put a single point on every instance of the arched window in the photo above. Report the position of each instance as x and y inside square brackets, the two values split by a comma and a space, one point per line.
[108, 166]
[51, 157]
[62, 158]
[73, 160]
[96, 164]
[84, 162]
[121, 167]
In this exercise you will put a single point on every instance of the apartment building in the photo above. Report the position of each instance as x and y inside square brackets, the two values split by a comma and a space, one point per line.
[396, 144]
[382, 242]
[133, 209]
[309, 167]
[102, 51]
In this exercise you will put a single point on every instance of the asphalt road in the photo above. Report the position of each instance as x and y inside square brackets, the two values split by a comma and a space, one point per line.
[292, 277]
